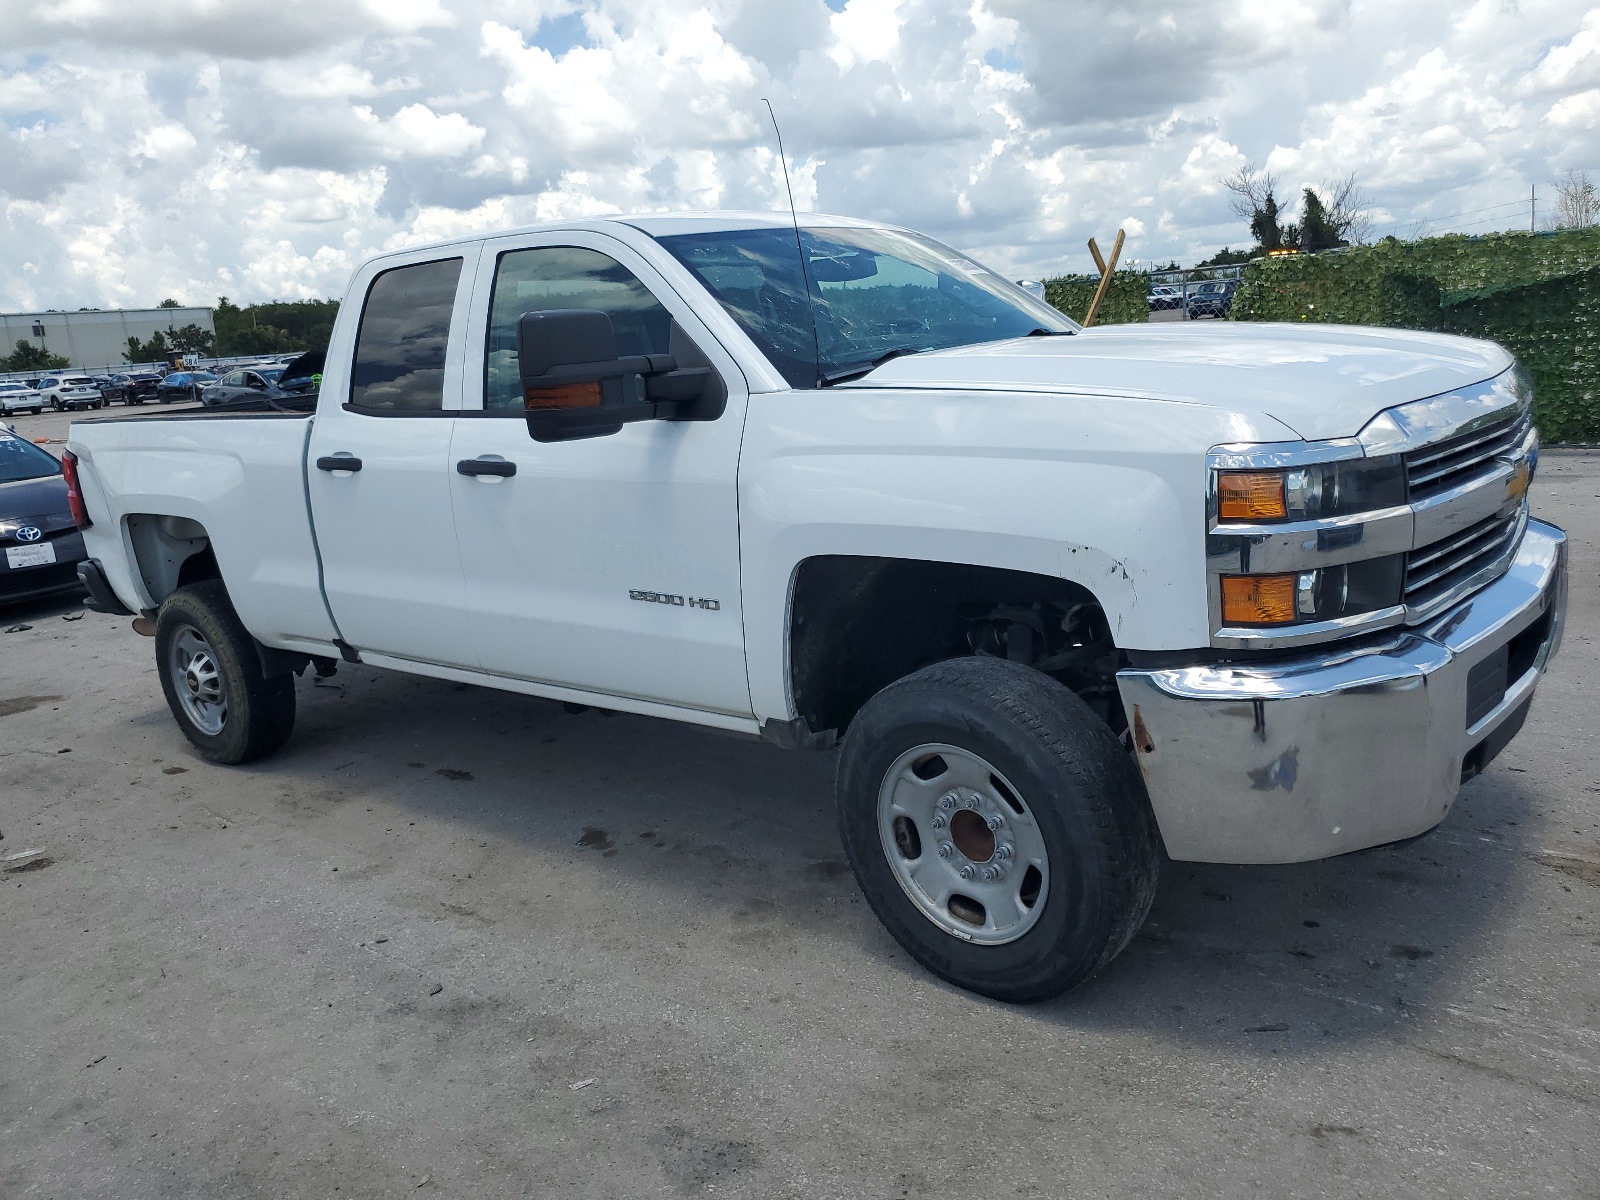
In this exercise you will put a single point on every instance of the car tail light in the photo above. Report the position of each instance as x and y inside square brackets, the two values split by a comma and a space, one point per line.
[69, 471]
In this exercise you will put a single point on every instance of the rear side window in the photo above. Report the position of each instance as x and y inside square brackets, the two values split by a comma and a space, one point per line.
[405, 326]
[551, 277]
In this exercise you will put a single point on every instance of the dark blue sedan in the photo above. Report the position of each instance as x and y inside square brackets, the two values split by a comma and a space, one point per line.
[40, 546]
[183, 385]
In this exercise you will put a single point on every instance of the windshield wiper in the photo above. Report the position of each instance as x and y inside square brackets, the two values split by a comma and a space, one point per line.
[1042, 332]
[840, 374]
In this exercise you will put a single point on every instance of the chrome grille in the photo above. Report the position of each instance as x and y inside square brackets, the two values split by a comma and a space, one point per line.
[1437, 568]
[1439, 467]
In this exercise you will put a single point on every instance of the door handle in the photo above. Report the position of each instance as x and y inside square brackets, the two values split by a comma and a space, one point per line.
[486, 466]
[338, 462]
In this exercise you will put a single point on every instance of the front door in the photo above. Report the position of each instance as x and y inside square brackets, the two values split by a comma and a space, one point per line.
[379, 471]
[609, 564]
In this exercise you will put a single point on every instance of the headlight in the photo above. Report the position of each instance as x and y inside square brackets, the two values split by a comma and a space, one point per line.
[1307, 493]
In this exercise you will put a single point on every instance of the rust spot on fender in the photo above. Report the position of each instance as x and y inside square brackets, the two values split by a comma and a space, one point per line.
[1142, 740]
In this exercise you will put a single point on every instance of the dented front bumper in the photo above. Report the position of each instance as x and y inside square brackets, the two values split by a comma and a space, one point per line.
[1330, 752]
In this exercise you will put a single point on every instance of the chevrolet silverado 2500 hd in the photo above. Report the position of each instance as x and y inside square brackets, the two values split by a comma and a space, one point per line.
[1251, 593]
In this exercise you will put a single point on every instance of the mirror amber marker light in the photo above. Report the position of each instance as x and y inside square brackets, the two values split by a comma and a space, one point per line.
[1258, 599]
[570, 395]
[1250, 495]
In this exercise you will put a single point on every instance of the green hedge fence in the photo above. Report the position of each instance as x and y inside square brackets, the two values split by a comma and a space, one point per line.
[1124, 302]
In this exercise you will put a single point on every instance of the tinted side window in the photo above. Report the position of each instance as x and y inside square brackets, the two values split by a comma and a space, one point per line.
[565, 277]
[399, 362]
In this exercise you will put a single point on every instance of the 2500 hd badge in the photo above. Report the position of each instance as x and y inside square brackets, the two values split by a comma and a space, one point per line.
[670, 598]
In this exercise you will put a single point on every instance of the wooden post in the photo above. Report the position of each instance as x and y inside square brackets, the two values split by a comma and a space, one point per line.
[1105, 274]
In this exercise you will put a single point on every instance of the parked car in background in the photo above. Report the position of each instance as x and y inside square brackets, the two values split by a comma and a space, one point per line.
[1212, 299]
[183, 385]
[1164, 296]
[303, 376]
[67, 392]
[16, 396]
[246, 383]
[134, 388]
[40, 546]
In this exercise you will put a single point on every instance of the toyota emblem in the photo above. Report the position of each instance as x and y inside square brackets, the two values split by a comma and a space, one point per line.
[29, 533]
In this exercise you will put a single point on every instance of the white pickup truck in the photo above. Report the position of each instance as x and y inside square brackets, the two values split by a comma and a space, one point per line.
[1069, 598]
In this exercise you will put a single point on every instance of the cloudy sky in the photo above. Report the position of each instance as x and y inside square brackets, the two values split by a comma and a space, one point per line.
[260, 148]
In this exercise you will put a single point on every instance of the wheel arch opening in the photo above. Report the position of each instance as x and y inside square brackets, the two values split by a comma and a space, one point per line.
[171, 552]
[857, 623]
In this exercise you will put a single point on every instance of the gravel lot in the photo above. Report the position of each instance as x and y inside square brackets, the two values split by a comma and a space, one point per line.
[460, 943]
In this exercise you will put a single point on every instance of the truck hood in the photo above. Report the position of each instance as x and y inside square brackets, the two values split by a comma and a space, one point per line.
[1322, 381]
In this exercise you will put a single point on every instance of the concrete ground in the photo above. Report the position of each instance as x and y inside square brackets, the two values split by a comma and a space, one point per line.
[455, 942]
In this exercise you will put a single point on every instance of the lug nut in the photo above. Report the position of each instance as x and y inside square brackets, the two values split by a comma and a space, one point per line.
[990, 874]
[1003, 852]
[947, 802]
[972, 802]
[968, 871]
[995, 822]
[938, 821]
[946, 849]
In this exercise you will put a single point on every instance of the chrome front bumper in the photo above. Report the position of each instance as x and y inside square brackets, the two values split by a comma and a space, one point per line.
[1322, 754]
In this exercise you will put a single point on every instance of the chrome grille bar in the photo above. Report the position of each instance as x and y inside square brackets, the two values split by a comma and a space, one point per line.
[1434, 468]
[1458, 556]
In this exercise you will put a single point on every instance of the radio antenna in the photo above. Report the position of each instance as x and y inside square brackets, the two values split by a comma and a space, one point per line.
[794, 217]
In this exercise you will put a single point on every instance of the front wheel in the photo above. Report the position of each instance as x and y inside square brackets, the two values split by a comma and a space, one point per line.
[212, 678]
[997, 827]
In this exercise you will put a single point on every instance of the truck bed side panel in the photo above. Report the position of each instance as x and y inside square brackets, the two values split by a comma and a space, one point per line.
[243, 480]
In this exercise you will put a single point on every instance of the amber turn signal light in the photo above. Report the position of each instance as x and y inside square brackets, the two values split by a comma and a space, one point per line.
[1258, 599]
[1250, 495]
[569, 395]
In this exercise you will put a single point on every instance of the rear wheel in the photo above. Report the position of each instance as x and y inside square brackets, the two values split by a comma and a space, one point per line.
[997, 827]
[212, 677]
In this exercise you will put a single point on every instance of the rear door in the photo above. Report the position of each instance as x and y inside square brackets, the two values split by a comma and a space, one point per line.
[378, 469]
[608, 564]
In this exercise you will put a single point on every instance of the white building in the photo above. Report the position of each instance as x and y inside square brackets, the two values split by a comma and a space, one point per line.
[91, 340]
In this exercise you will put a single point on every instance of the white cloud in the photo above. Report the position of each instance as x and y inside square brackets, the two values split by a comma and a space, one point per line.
[165, 143]
[865, 31]
[262, 147]
[417, 131]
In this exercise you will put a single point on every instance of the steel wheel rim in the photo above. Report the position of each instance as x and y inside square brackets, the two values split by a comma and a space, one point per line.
[197, 679]
[976, 864]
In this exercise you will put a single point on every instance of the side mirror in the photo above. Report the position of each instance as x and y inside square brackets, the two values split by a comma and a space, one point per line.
[576, 385]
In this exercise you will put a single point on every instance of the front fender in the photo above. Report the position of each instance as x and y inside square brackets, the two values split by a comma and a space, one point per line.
[1107, 493]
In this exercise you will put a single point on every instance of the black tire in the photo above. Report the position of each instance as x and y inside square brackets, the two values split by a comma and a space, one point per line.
[260, 711]
[1081, 787]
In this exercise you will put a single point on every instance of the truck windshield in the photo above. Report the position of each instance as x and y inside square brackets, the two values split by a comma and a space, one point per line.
[876, 293]
[21, 459]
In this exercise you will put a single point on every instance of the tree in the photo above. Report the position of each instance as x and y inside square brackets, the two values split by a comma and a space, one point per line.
[1330, 216]
[1226, 257]
[1577, 202]
[274, 328]
[1316, 225]
[25, 356]
[191, 339]
[155, 350]
[169, 302]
